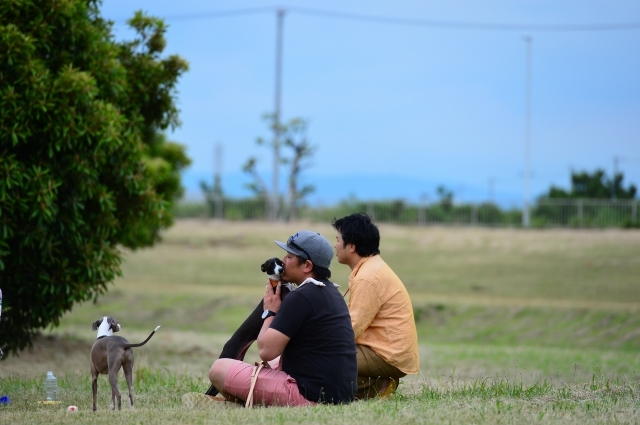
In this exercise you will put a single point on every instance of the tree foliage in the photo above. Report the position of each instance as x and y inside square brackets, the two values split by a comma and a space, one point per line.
[445, 196]
[84, 166]
[594, 185]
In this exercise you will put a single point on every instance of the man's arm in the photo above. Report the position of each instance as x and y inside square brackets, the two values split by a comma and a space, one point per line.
[271, 342]
[364, 305]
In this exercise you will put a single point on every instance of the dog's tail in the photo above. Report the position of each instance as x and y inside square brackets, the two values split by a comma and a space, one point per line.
[143, 342]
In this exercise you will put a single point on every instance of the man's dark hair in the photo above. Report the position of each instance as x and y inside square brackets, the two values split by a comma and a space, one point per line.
[359, 230]
[319, 273]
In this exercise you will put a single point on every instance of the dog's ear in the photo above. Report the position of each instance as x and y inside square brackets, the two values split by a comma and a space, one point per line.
[113, 324]
[94, 325]
[265, 266]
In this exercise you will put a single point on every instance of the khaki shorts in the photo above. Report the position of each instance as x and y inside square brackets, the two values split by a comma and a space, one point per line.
[372, 369]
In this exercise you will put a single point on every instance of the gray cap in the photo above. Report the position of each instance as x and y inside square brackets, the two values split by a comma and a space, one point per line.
[310, 245]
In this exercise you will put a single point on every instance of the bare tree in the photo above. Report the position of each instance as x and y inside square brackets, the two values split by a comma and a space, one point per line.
[258, 186]
[296, 139]
[293, 135]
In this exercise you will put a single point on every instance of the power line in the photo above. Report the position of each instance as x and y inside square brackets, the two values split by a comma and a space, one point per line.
[212, 15]
[470, 25]
[482, 26]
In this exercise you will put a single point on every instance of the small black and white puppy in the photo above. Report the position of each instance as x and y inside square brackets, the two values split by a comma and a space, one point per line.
[248, 332]
[274, 268]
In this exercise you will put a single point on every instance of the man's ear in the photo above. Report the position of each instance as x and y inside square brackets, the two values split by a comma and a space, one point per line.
[351, 247]
[308, 266]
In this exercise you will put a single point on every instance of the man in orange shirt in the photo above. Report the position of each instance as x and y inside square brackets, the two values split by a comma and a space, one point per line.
[380, 309]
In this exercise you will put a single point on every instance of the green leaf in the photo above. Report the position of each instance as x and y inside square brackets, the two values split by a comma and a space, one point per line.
[74, 184]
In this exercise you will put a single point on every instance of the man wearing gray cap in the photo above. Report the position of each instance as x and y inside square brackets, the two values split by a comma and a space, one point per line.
[310, 330]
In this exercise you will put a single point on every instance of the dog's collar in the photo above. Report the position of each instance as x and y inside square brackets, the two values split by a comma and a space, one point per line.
[101, 336]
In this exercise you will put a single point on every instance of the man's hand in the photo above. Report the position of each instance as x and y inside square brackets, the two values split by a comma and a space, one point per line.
[271, 300]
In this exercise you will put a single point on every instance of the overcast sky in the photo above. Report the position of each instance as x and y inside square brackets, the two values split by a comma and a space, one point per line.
[397, 108]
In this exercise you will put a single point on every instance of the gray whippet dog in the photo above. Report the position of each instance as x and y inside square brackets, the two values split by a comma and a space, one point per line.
[108, 354]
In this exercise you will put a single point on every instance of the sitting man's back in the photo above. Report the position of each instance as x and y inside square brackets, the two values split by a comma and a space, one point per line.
[380, 309]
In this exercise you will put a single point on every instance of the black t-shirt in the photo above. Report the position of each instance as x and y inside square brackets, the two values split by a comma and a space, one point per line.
[321, 354]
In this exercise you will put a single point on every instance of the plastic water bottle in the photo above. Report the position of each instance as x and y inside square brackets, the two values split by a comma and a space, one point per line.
[51, 386]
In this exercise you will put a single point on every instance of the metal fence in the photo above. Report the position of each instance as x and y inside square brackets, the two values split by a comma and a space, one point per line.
[586, 213]
[579, 213]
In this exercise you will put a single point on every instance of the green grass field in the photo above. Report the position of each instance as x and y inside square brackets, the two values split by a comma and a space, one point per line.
[515, 326]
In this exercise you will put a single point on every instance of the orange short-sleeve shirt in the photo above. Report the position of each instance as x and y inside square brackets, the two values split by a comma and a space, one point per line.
[382, 314]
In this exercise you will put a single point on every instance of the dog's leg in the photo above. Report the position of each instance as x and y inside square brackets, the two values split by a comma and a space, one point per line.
[127, 368]
[114, 367]
[242, 339]
[94, 384]
[247, 333]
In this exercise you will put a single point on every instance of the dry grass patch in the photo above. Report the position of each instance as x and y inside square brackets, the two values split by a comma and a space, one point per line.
[515, 326]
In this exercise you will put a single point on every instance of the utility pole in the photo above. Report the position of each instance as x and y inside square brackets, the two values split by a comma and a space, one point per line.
[526, 218]
[491, 182]
[276, 117]
[217, 181]
[613, 179]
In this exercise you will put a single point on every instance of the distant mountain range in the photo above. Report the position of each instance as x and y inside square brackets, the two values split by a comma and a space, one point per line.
[331, 189]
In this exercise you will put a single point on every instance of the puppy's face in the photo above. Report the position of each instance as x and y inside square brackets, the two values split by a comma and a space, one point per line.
[273, 267]
[110, 324]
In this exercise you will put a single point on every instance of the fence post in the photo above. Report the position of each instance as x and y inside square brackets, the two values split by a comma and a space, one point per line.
[634, 212]
[205, 213]
[218, 208]
[474, 215]
[580, 201]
